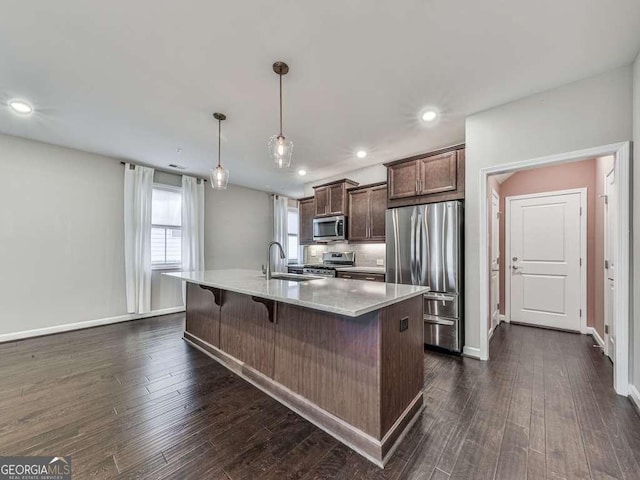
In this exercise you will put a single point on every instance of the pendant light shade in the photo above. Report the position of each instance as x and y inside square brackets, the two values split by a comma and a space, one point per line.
[219, 175]
[280, 148]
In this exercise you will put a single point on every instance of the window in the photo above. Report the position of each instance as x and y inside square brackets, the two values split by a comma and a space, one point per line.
[292, 231]
[166, 227]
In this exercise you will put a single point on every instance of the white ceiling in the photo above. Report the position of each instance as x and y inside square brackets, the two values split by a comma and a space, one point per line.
[138, 79]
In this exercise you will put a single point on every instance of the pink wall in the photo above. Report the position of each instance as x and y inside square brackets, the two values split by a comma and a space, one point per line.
[547, 179]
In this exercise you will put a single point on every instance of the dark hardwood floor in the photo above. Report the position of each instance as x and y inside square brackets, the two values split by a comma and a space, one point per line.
[133, 400]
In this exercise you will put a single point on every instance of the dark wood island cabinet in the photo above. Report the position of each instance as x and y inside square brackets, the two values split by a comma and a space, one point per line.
[346, 355]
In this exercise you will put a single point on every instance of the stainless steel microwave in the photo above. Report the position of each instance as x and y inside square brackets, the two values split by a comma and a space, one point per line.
[328, 229]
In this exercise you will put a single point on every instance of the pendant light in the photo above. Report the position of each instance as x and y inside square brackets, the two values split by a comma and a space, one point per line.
[280, 148]
[219, 175]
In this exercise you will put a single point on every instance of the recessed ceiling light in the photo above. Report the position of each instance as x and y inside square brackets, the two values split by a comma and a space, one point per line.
[302, 172]
[21, 107]
[429, 115]
[361, 153]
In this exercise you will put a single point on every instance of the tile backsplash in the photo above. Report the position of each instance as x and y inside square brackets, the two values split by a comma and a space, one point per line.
[367, 254]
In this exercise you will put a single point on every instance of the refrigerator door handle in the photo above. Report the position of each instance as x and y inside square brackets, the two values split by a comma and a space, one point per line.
[439, 296]
[413, 248]
[420, 255]
[424, 251]
[438, 321]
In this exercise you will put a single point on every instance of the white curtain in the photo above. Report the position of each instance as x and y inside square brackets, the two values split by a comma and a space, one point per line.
[138, 187]
[192, 225]
[280, 213]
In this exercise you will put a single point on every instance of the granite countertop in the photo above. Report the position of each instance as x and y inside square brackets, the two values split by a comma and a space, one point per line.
[362, 269]
[351, 298]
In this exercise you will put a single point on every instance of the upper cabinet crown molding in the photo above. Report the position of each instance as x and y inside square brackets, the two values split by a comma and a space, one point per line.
[431, 177]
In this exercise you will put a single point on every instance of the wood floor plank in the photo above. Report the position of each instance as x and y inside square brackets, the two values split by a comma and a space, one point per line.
[513, 460]
[566, 456]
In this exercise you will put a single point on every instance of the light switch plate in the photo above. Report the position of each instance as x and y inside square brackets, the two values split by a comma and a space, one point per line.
[380, 262]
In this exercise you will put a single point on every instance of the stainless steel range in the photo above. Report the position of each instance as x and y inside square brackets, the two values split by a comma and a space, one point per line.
[330, 260]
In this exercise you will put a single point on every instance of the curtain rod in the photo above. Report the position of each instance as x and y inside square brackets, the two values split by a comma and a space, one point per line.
[134, 165]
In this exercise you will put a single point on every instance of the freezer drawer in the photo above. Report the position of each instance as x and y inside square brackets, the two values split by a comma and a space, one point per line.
[442, 332]
[442, 305]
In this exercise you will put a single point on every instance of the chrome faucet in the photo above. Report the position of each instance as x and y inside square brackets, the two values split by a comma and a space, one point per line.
[282, 255]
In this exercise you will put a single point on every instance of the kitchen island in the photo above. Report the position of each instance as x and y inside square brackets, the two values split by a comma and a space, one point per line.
[345, 354]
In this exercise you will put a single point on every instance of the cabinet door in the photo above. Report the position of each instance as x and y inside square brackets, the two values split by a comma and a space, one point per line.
[438, 174]
[246, 332]
[403, 180]
[322, 200]
[359, 214]
[337, 199]
[377, 208]
[203, 313]
[307, 210]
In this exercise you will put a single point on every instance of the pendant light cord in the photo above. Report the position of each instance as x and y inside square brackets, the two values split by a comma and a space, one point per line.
[280, 75]
[219, 130]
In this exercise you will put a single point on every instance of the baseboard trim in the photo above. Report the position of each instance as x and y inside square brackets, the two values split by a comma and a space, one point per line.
[503, 318]
[593, 332]
[68, 327]
[472, 352]
[634, 397]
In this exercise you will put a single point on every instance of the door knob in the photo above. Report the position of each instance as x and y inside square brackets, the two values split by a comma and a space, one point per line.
[515, 267]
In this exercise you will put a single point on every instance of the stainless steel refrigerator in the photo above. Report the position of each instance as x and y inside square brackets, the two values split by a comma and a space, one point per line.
[425, 247]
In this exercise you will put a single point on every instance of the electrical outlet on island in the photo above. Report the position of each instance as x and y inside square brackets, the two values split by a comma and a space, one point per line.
[380, 262]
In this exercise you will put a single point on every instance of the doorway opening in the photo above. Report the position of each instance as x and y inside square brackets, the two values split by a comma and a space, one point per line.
[560, 257]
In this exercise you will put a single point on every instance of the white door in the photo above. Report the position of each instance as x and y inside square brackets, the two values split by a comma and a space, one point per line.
[610, 268]
[495, 260]
[544, 259]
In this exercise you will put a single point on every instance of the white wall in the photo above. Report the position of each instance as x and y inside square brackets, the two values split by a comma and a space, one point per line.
[62, 239]
[364, 176]
[587, 113]
[61, 236]
[238, 226]
[636, 225]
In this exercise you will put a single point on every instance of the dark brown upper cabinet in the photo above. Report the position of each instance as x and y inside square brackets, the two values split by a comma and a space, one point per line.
[306, 212]
[431, 177]
[367, 207]
[331, 198]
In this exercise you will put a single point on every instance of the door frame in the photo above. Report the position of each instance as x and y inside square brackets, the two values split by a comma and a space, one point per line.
[495, 194]
[604, 272]
[622, 153]
[583, 249]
